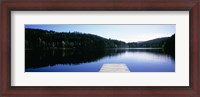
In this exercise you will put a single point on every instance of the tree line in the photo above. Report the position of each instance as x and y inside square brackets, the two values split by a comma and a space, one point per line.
[44, 39]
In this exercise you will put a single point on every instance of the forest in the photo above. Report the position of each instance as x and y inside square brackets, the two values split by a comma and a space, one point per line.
[44, 39]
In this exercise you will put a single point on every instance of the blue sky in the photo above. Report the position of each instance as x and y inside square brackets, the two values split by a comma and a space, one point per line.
[126, 33]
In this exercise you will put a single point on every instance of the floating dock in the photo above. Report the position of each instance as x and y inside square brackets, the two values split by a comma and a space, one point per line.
[114, 68]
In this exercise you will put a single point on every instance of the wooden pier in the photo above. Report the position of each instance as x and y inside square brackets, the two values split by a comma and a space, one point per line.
[114, 68]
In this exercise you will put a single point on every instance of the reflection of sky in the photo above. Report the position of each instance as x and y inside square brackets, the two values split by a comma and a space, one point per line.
[127, 33]
[143, 61]
[145, 56]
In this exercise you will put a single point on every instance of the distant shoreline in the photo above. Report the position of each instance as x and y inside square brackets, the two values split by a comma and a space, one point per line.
[89, 48]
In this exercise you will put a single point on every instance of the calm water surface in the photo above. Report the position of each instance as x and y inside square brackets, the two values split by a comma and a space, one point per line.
[76, 60]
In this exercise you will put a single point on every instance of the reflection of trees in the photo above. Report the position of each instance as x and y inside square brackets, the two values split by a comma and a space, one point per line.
[157, 51]
[42, 58]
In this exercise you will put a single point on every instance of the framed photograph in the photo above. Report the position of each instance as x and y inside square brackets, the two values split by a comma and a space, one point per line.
[140, 48]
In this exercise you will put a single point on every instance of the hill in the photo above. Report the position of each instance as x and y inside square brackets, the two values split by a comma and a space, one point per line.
[43, 39]
[154, 43]
[169, 45]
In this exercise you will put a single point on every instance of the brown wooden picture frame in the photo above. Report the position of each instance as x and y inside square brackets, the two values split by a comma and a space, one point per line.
[193, 90]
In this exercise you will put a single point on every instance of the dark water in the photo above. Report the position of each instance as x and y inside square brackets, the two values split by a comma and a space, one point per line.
[90, 60]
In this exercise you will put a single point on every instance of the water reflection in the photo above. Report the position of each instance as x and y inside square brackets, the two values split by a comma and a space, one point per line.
[42, 58]
[90, 60]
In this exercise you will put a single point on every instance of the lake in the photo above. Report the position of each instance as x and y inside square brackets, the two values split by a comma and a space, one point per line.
[91, 60]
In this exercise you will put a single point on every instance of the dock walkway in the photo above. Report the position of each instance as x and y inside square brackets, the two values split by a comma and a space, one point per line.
[114, 68]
